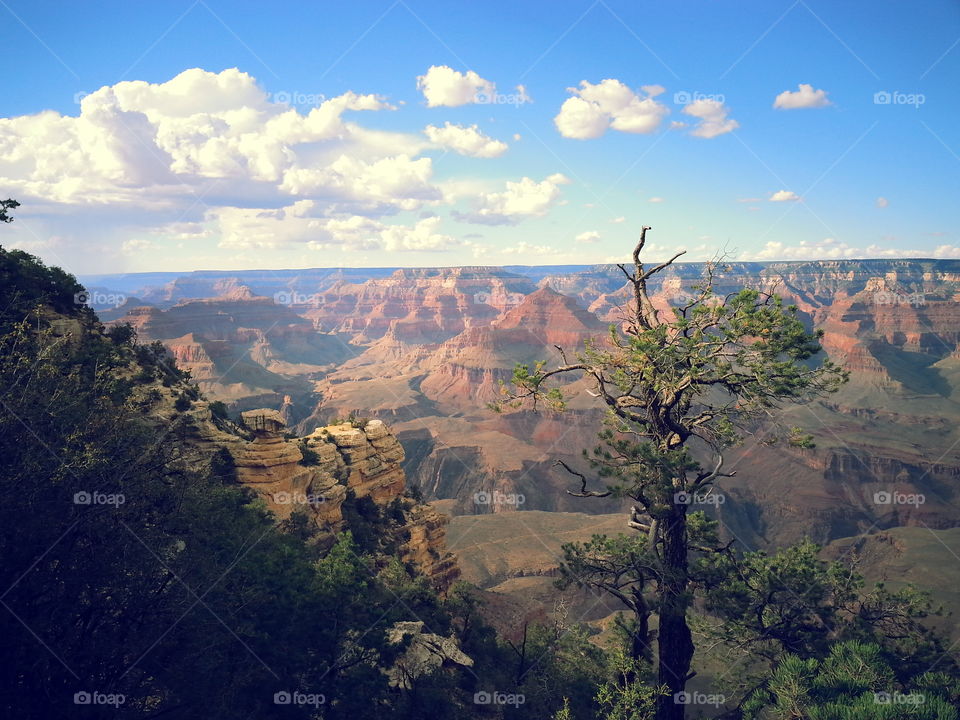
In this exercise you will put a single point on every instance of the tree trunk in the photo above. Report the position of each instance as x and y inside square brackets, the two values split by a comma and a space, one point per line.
[640, 648]
[675, 644]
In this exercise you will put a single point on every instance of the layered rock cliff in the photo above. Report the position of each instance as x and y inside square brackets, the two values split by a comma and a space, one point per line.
[314, 475]
[433, 344]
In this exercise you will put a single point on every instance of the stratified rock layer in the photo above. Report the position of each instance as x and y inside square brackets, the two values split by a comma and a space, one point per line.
[340, 458]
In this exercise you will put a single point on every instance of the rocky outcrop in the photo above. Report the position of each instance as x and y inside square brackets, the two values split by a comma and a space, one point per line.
[425, 654]
[467, 370]
[314, 475]
[420, 305]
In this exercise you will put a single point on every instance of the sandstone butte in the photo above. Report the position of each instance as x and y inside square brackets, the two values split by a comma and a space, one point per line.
[364, 459]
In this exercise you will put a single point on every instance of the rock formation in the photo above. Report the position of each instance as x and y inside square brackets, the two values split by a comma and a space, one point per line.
[432, 346]
[339, 458]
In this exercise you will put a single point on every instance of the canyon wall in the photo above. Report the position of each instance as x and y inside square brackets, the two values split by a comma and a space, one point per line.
[425, 350]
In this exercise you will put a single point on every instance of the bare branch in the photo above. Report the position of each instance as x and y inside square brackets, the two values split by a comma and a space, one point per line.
[583, 483]
[661, 266]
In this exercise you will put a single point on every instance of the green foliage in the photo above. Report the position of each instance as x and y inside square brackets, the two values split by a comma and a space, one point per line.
[853, 682]
[628, 694]
[351, 419]
[222, 466]
[5, 207]
[310, 456]
[788, 601]
[26, 284]
[218, 410]
[371, 529]
[127, 572]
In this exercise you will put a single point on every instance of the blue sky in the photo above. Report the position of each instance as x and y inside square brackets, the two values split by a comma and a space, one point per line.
[629, 113]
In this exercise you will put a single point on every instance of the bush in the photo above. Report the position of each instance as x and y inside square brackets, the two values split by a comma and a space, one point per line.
[219, 410]
[310, 456]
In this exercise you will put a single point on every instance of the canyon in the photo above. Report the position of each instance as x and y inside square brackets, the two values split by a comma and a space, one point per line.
[425, 350]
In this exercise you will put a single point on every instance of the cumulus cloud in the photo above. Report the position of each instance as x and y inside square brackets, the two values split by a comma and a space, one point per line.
[465, 140]
[521, 199]
[443, 86]
[882, 202]
[655, 200]
[590, 236]
[152, 144]
[712, 115]
[298, 224]
[422, 236]
[784, 196]
[390, 183]
[609, 104]
[804, 97]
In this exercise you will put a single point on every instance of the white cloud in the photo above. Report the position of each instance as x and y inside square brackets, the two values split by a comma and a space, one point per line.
[422, 236]
[784, 196]
[656, 200]
[825, 249]
[830, 248]
[882, 202]
[379, 187]
[135, 245]
[713, 118]
[297, 224]
[609, 104]
[618, 220]
[525, 248]
[465, 140]
[804, 97]
[521, 199]
[444, 86]
[151, 145]
[590, 236]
